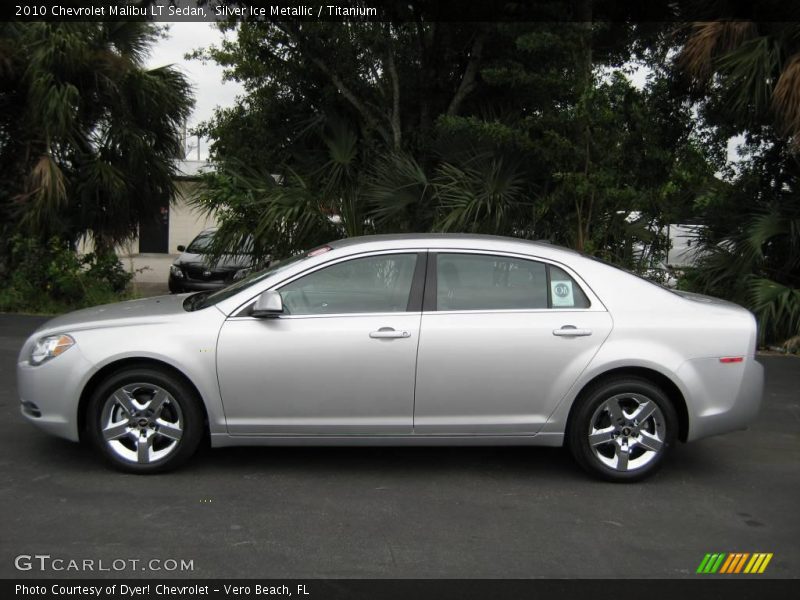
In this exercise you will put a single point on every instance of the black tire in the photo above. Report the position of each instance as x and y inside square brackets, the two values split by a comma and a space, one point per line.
[180, 414]
[629, 442]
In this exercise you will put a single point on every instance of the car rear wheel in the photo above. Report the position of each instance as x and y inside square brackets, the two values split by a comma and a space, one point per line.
[145, 420]
[622, 429]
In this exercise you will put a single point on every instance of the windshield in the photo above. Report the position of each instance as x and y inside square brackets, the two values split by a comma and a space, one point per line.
[204, 299]
[201, 243]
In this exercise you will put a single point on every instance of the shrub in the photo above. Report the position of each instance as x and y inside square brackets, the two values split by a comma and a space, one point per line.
[53, 278]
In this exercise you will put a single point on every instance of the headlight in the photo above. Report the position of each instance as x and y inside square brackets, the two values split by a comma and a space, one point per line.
[241, 274]
[175, 271]
[50, 347]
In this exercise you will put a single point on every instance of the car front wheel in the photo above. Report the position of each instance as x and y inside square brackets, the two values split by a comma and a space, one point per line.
[145, 420]
[622, 429]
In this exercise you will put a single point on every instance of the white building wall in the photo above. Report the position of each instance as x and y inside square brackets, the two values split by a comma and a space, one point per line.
[184, 221]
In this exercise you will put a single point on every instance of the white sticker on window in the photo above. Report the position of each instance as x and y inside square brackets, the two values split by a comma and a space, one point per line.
[561, 292]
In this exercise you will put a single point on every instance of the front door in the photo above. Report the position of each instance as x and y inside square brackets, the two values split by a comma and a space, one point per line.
[341, 360]
[503, 343]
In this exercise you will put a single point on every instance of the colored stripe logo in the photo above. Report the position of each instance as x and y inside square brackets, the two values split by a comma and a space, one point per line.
[729, 563]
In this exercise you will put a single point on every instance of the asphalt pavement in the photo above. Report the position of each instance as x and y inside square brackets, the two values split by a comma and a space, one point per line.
[399, 512]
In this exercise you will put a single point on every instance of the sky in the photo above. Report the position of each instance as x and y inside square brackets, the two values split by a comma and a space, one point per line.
[210, 90]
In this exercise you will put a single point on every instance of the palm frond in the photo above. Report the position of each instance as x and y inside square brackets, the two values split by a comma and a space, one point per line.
[131, 40]
[710, 40]
[750, 71]
[46, 193]
[777, 308]
[786, 98]
[481, 195]
[761, 229]
[259, 214]
[397, 189]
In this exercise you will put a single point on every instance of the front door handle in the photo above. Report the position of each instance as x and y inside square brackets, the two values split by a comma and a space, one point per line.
[571, 331]
[388, 333]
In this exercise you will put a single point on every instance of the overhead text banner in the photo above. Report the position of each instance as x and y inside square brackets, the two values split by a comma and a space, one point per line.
[628, 11]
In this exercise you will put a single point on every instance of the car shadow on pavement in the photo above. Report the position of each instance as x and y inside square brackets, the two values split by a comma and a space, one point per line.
[497, 462]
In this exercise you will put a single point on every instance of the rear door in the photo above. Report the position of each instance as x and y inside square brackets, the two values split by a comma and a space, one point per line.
[502, 340]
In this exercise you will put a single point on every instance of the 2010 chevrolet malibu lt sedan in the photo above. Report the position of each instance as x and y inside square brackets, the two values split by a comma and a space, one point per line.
[417, 339]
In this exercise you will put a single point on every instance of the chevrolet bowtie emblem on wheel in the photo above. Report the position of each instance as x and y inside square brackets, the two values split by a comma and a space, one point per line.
[735, 563]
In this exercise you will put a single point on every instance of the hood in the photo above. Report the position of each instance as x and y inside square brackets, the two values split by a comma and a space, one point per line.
[226, 262]
[120, 314]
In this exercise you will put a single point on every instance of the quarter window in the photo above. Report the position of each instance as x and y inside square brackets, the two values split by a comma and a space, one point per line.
[362, 285]
[564, 292]
[488, 282]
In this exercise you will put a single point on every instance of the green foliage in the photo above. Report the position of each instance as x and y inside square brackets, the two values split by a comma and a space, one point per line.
[539, 147]
[258, 215]
[52, 278]
[777, 308]
[750, 248]
[88, 135]
[525, 128]
[746, 79]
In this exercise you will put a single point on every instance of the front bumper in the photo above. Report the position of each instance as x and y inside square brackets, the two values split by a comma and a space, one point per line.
[50, 393]
[177, 286]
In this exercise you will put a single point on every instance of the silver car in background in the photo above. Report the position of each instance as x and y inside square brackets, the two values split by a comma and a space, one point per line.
[415, 339]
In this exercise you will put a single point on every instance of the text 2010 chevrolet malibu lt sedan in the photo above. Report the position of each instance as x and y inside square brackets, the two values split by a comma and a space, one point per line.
[421, 339]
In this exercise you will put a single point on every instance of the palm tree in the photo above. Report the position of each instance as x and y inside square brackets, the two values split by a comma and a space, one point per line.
[756, 67]
[311, 198]
[88, 135]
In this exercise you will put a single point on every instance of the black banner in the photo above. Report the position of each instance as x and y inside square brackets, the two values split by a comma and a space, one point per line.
[733, 588]
[631, 11]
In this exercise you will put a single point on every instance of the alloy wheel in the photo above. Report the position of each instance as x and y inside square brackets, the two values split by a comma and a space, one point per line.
[142, 423]
[627, 432]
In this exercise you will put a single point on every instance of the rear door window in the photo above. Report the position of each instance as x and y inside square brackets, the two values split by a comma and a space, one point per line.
[493, 282]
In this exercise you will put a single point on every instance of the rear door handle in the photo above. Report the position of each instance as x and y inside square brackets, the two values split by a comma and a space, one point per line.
[571, 331]
[387, 333]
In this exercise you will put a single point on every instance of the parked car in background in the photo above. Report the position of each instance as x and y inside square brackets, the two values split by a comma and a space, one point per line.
[193, 271]
[415, 339]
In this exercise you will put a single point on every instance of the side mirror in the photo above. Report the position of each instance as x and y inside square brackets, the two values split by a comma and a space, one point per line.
[268, 305]
[181, 248]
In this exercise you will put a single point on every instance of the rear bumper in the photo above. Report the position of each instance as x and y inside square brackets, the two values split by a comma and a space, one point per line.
[721, 397]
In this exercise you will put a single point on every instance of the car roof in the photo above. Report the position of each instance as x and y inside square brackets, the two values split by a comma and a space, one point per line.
[448, 239]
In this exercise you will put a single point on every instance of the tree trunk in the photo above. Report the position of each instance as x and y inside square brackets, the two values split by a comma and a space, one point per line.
[469, 78]
[394, 116]
[585, 82]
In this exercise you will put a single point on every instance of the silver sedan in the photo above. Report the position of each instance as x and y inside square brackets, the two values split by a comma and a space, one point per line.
[418, 339]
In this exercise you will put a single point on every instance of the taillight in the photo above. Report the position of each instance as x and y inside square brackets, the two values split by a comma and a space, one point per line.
[731, 359]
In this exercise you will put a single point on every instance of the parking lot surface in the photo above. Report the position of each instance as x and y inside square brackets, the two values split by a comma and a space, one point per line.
[402, 512]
